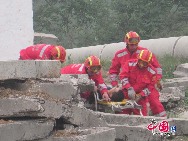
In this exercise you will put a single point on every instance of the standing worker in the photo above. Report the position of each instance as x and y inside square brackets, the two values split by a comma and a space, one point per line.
[138, 79]
[131, 52]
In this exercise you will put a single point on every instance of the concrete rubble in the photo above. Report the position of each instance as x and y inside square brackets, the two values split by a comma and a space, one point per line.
[25, 130]
[41, 105]
[172, 94]
[176, 82]
[90, 134]
[42, 38]
[181, 70]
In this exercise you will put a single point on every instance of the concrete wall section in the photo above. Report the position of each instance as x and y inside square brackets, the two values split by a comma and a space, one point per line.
[29, 69]
[16, 27]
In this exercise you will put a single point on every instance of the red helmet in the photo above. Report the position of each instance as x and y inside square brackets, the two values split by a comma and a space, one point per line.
[132, 38]
[58, 53]
[145, 55]
[92, 62]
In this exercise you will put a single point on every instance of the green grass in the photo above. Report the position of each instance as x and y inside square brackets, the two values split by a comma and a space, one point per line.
[169, 64]
[105, 67]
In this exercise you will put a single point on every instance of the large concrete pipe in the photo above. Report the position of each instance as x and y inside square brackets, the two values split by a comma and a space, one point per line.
[176, 46]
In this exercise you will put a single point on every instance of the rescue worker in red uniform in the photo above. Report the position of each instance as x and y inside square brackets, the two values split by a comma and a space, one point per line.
[92, 67]
[43, 52]
[138, 79]
[131, 52]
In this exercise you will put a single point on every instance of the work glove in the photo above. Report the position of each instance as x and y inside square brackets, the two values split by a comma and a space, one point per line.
[105, 97]
[159, 85]
[131, 93]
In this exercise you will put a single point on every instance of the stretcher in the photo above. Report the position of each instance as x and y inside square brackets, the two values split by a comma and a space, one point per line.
[116, 106]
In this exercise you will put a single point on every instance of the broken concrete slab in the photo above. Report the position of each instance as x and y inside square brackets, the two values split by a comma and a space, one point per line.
[133, 133]
[26, 130]
[131, 120]
[76, 114]
[183, 115]
[69, 78]
[172, 94]
[58, 90]
[85, 84]
[42, 38]
[181, 128]
[55, 109]
[33, 107]
[127, 126]
[181, 70]
[63, 90]
[85, 118]
[180, 90]
[22, 69]
[48, 68]
[88, 134]
[13, 107]
[176, 82]
[81, 81]
[66, 87]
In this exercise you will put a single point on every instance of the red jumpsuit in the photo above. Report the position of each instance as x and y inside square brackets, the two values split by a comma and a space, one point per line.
[80, 69]
[124, 55]
[142, 80]
[36, 52]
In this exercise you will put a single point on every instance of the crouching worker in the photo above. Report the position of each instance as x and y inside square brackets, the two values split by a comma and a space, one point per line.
[92, 67]
[138, 79]
[43, 52]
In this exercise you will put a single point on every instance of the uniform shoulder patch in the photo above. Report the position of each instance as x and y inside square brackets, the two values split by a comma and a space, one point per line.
[122, 54]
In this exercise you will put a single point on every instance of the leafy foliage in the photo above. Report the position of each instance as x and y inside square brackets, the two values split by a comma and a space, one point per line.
[79, 23]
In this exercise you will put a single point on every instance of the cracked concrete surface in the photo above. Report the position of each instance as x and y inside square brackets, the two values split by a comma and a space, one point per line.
[31, 108]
